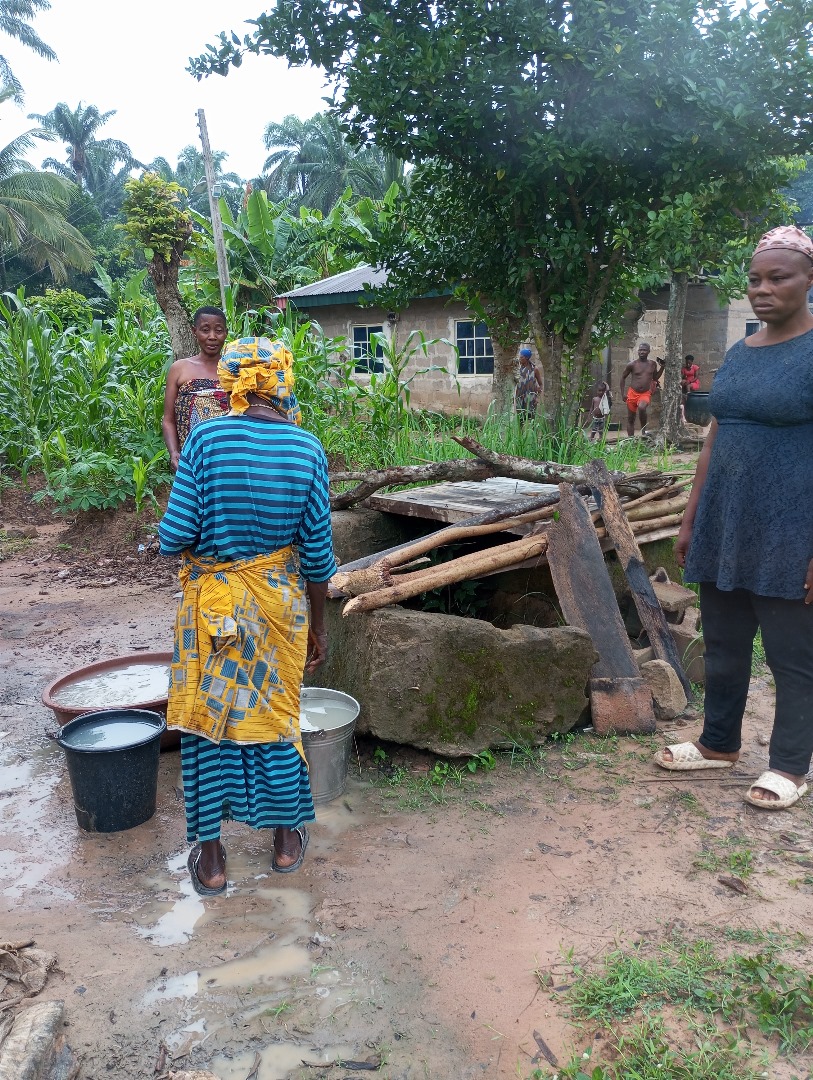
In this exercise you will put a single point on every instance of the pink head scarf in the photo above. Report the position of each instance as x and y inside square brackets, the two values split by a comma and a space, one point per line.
[788, 237]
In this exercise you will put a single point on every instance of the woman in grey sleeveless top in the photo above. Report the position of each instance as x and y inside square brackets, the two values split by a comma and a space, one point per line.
[747, 533]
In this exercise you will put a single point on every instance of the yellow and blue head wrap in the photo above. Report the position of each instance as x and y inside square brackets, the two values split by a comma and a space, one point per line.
[258, 365]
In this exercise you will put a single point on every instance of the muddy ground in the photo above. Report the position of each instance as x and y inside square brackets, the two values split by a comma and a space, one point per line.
[433, 926]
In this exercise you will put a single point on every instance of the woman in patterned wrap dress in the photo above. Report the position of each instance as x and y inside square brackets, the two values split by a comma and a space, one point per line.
[250, 513]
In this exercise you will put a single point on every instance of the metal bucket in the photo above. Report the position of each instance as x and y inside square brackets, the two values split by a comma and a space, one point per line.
[332, 716]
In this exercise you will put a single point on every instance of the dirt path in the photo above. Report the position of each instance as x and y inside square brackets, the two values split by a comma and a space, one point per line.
[435, 917]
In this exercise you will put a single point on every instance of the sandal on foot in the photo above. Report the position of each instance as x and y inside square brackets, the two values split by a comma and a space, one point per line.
[303, 844]
[192, 865]
[787, 792]
[686, 756]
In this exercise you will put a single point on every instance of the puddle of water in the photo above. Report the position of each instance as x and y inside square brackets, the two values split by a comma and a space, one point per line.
[182, 1041]
[179, 986]
[277, 1061]
[264, 967]
[343, 813]
[175, 926]
[43, 839]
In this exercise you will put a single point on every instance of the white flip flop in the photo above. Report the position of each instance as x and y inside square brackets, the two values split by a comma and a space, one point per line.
[787, 792]
[686, 756]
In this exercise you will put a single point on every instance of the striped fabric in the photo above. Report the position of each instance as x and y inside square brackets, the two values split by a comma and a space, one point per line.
[247, 486]
[265, 786]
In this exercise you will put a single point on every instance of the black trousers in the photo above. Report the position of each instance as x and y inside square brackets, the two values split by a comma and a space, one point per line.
[730, 623]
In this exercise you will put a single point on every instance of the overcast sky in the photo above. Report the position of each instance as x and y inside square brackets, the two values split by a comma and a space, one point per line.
[131, 57]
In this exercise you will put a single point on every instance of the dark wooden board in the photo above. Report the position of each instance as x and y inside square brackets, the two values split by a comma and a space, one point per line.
[584, 588]
[620, 700]
[629, 555]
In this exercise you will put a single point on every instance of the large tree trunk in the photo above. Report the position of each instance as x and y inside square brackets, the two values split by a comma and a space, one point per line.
[165, 281]
[505, 376]
[670, 413]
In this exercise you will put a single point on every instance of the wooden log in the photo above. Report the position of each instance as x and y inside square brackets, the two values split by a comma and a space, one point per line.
[629, 555]
[620, 699]
[378, 574]
[410, 474]
[640, 527]
[656, 509]
[465, 568]
[488, 463]
[551, 472]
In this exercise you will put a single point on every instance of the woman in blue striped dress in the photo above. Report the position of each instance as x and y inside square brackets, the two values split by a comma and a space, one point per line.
[250, 513]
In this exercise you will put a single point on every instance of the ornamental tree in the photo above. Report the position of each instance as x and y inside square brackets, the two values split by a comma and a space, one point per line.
[156, 223]
[560, 125]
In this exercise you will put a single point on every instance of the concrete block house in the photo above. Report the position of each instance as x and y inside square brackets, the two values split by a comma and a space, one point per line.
[342, 305]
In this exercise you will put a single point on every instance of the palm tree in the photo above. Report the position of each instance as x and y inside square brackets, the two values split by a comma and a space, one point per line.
[33, 226]
[77, 129]
[15, 16]
[190, 173]
[312, 163]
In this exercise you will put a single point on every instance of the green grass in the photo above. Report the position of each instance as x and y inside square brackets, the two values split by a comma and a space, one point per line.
[759, 664]
[686, 1010]
[730, 855]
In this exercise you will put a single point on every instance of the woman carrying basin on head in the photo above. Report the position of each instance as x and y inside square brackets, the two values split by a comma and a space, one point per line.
[250, 511]
[747, 532]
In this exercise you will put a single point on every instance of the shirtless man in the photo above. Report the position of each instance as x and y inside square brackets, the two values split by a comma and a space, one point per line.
[643, 374]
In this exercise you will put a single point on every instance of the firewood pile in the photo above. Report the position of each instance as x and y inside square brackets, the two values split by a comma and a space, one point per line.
[650, 502]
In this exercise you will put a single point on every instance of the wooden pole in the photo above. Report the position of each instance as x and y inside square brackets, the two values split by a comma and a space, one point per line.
[629, 555]
[214, 209]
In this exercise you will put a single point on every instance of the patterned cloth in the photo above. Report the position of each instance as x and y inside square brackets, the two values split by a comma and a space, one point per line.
[240, 642]
[754, 523]
[196, 400]
[263, 786]
[259, 366]
[527, 390]
[788, 237]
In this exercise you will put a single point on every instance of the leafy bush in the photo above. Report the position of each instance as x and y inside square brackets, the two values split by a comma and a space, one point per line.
[67, 308]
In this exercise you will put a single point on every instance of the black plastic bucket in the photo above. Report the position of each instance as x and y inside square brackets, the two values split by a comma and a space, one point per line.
[113, 771]
[697, 407]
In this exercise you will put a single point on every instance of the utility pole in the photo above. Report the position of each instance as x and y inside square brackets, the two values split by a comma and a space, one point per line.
[214, 209]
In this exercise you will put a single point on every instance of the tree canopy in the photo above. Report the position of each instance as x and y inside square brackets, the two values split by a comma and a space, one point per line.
[561, 124]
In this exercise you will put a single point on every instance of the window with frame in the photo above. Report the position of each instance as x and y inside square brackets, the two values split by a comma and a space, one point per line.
[752, 327]
[475, 351]
[367, 354]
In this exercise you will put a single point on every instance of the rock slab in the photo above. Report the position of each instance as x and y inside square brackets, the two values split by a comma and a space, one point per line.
[35, 1048]
[456, 686]
[667, 693]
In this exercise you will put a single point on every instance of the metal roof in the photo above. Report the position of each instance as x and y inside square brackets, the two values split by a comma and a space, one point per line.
[350, 281]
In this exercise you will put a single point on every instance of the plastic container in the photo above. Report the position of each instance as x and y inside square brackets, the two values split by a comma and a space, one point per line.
[697, 407]
[329, 719]
[112, 758]
[64, 713]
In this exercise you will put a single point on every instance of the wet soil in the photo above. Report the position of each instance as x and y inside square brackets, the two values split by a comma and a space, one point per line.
[438, 939]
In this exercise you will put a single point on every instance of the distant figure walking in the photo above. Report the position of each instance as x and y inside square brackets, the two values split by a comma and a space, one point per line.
[529, 386]
[643, 374]
[599, 410]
